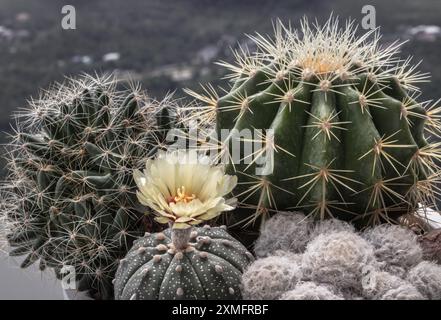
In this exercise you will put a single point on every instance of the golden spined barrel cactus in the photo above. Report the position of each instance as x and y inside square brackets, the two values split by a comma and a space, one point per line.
[338, 123]
[70, 192]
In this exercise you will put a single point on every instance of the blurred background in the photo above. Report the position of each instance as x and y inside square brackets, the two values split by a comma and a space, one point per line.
[166, 45]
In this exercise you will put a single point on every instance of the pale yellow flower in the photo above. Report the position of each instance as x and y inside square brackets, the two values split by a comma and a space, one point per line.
[184, 188]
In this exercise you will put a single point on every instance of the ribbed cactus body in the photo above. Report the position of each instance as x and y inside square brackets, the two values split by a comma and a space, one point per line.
[331, 154]
[209, 268]
[70, 194]
[341, 133]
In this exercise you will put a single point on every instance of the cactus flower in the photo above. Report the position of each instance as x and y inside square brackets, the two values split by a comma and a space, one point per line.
[184, 189]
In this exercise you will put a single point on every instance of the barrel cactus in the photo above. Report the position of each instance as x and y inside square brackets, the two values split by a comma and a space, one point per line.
[340, 130]
[184, 261]
[70, 191]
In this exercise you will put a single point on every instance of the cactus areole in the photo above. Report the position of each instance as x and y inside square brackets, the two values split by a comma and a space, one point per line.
[340, 122]
[192, 263]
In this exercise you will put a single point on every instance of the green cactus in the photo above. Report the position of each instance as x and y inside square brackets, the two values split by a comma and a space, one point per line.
[207, 265]
[339, 114]
[70, 192]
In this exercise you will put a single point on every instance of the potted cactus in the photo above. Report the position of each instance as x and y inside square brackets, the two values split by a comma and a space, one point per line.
[340, 127]
[341, 137]
[70, 195]
[184, 261]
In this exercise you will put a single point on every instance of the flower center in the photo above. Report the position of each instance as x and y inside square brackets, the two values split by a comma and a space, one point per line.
[182, 196]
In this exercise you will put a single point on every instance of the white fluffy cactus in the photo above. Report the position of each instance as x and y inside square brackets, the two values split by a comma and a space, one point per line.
[294, 231]
[337, 259]
[396, 248]
[378, 284]
[426, 277]
[269, 278]
[330, 226]
[382, 263]
[310, 291]
[404, 292]
[285, 231]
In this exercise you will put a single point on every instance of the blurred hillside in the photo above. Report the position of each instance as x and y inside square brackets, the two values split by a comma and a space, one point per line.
[171, 44]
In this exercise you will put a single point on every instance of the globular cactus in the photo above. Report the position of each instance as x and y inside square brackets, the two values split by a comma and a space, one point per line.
[208, 267]
[291, 232]
[285, 231]
[310, 291]
[183, 262]
[395, 247]
[379, 263]
[341, 132]
[378, 284]
[404, 292]
[70, 191]
[426, 277]
[268, 278]
[338, 259]
[330, 226]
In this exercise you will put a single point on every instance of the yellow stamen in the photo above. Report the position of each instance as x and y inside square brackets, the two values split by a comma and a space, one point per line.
[182, 196]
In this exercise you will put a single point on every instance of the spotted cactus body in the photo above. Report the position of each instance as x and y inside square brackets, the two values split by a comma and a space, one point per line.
[209, 268]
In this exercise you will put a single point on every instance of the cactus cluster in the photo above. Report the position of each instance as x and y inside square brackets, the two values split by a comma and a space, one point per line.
[336, 123]
[381, 263]
[340, 125]
[209, 266]
[70, 191]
